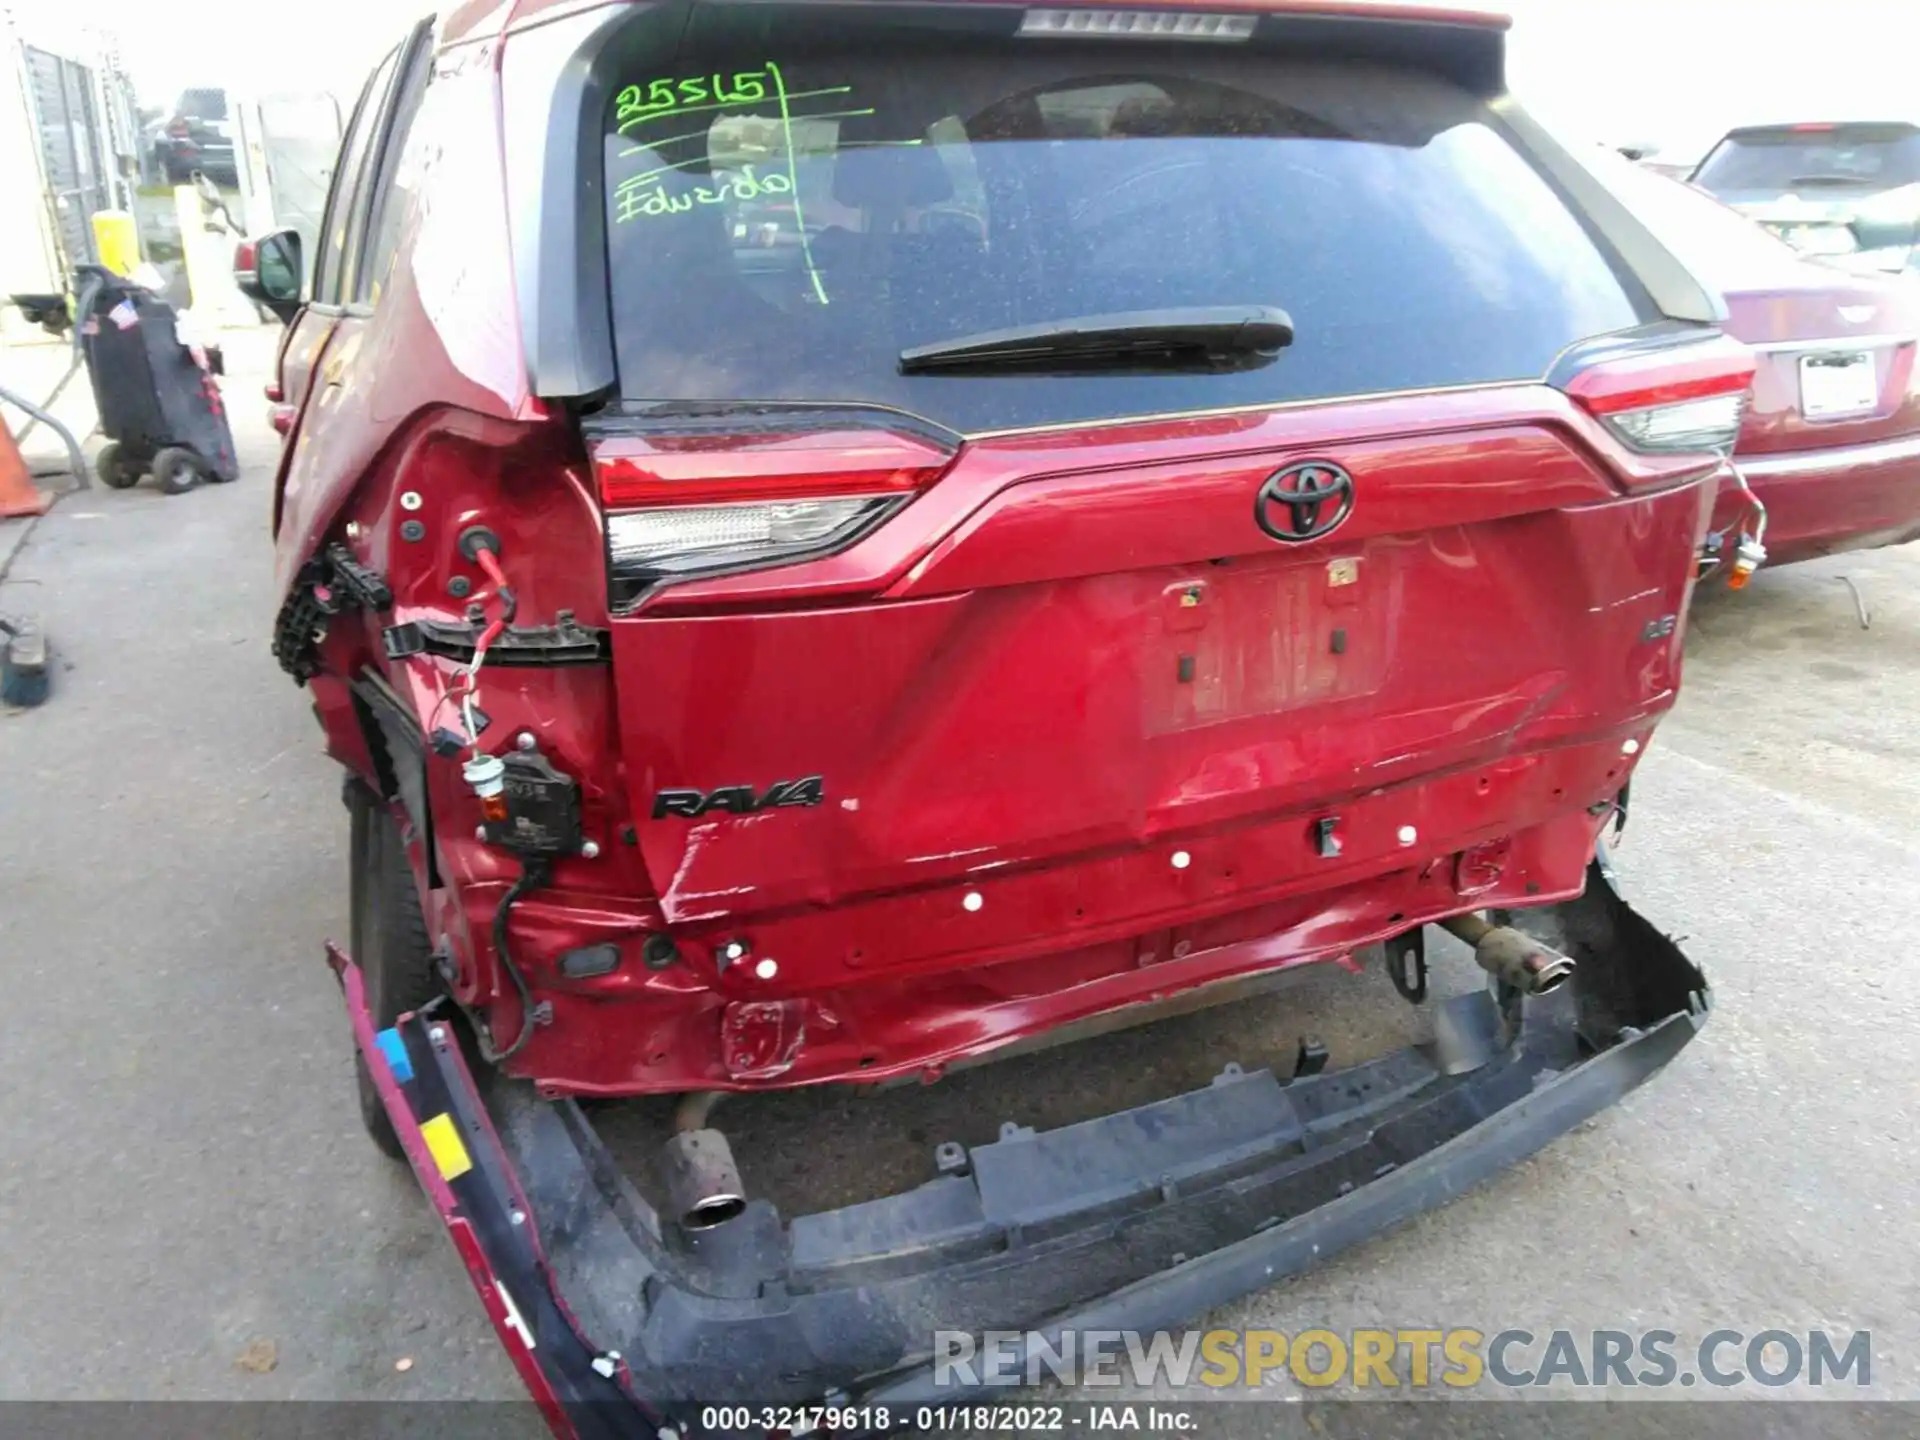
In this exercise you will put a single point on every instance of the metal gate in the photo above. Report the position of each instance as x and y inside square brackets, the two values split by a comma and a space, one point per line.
[74, 149]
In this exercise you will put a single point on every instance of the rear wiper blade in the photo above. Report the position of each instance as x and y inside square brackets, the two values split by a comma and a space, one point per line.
[1202, 336]
[1830, 180]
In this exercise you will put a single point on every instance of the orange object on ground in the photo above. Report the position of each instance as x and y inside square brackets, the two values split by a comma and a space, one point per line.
[18, 496]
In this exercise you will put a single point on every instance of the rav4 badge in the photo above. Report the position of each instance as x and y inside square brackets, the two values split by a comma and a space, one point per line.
[740, 799]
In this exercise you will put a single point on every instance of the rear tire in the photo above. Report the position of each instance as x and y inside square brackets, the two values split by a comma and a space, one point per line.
[176, 470]
[116, 469]
[389, 938]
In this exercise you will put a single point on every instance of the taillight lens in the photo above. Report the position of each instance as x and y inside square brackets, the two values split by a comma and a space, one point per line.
[1691, 425]
[681, 506]
[1670, 400]
[695, 538]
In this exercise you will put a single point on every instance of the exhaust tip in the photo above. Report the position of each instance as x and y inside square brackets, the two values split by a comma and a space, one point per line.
[1521, 961]
[712, 1211]
[1547, 973]
[703, 1185]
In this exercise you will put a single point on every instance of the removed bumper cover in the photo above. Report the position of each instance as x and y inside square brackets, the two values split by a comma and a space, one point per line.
[621, 1323]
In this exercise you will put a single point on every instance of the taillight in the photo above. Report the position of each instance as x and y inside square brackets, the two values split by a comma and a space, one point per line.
[1670, 400]
[681, 506]
[1691, 425]
[246, 258]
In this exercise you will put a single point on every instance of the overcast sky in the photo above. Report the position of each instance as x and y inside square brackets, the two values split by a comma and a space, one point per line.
[1680, 72]
[1677, 72]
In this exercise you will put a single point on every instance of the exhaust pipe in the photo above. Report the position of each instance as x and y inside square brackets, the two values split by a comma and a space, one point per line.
[695, 1109]
[1511, 956]
[702, 1182]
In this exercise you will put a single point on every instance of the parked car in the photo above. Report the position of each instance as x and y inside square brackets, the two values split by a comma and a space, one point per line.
[1179, 497]
[1831, 442]
[1834, 189]
[1653, 158]
[197, 138]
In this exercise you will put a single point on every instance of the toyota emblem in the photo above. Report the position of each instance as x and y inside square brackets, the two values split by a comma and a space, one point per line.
[1304, 501]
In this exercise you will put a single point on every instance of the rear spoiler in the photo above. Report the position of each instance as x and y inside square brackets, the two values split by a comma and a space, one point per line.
[1677, 294]
[1885, 129]
[1465, 45]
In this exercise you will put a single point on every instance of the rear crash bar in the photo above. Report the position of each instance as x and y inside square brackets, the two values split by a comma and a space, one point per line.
[622, 1322]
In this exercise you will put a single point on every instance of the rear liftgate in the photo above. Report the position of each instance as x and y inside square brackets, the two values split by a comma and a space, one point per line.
[623, 1321]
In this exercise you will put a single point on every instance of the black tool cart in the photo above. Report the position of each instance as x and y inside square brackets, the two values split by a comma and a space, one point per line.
[160, 409]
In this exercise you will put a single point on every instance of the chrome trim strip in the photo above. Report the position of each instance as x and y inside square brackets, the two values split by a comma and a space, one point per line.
[1121, 422]
[1814, 462]
[1839, 344]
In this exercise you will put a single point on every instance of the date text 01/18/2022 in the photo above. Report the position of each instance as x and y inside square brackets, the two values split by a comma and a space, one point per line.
[949, 1419]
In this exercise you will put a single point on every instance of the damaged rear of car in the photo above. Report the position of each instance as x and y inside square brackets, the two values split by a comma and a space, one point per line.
[993, 524]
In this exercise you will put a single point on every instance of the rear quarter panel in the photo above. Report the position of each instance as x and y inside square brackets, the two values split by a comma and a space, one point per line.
[443, 328]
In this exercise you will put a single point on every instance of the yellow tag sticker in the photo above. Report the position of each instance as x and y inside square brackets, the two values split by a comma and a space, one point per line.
[449, 1151]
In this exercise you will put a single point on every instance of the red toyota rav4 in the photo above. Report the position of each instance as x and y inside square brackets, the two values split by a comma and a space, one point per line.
[833, 541]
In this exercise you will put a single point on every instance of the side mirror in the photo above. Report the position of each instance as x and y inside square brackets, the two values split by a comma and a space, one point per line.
[268, 270]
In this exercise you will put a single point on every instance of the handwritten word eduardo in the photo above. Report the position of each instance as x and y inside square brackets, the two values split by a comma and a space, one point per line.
[632, 201]
[701, 92]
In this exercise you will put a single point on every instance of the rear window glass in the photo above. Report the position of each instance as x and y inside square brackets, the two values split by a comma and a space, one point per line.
[1877, 157]
[782, 225]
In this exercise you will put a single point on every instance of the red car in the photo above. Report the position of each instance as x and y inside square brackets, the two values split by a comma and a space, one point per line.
[1830, 447]
[1181, 497]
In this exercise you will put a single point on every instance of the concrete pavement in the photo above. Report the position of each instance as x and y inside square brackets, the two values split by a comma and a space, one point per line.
[185, 1192]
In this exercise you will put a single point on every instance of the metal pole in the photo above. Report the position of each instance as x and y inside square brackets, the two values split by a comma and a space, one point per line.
[74, 455]
[48, 403]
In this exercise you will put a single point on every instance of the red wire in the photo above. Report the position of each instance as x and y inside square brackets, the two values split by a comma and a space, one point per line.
[490, 563]
[495, 629]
